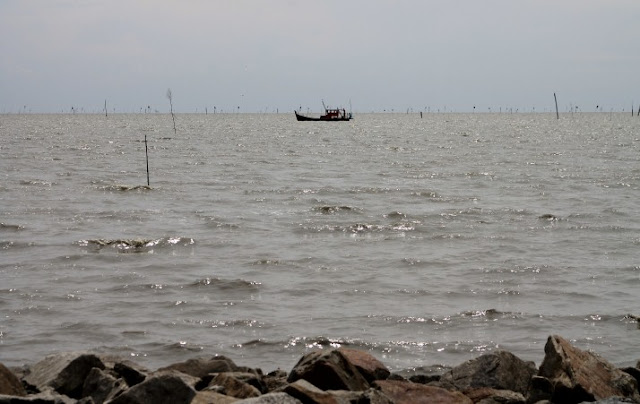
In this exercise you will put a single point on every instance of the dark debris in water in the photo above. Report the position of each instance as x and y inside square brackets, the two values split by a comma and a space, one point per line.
[10, 227]
[125, 188]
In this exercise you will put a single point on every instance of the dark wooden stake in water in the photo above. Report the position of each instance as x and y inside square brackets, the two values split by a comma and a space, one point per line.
[146, 152]
[556, 98]
[105, 108]
[170, 97]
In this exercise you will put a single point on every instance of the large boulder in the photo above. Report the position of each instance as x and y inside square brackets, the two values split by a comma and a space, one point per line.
[500, 370]
[101, 386]
[577, 375]
[338, 369]
[9, 383]
[234, 385]
[64, 372]
[368, 366]
[200, 367]
[405, 392]
[130, 372]
[162, 388]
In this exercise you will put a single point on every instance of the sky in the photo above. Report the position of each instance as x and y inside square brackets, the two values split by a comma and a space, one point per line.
[281, 55]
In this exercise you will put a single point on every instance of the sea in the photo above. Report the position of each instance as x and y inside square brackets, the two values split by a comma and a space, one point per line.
[424, 240]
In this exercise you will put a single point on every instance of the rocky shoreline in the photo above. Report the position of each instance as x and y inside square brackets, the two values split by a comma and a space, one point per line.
[566, 375]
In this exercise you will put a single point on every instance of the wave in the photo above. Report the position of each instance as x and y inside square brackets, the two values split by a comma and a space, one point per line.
[136, 244]
[358, 228]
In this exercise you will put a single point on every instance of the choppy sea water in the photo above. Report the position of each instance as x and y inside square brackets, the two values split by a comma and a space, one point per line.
[424, 241]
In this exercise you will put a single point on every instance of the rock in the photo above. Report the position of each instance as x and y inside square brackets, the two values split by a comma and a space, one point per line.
[275, 380]
[368, 366]
[486, 395]
[308, 393]
[9, 383]
[271, 398]
[130, 372]
[328, 370]
[500, 370]
[101, 386]
[211, 397]
[234, 387]
[412, 393]
[541, 389]
[48, 396]
[164, 388]
[64, 372]
[200, 367]
[578, 375]
[633, 372]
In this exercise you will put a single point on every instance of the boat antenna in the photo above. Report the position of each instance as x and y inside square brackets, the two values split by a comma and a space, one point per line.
[324, 106]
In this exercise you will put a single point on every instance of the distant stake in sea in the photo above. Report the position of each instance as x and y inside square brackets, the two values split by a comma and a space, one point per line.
[146, 152]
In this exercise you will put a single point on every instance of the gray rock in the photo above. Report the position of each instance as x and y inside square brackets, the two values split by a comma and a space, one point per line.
[164, 388]
[500, 370]
[100, 386]
[48, 396]
[64, 372]
[328, 370]
[130, 372]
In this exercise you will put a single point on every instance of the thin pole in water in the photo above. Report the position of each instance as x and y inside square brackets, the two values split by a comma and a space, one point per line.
[556, 98]
[146, 152]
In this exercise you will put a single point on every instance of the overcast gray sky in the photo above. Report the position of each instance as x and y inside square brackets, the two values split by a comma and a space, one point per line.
[263, 55]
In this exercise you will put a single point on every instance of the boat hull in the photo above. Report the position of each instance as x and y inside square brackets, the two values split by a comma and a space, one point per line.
[300, 117]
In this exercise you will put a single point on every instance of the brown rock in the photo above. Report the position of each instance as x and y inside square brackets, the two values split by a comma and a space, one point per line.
[486, 395]
[368, 366]
[328, 370]
[164, 388]
[578, 375]
[308, 393]
[9, 383]
[200, 367]
[499, 370]
[64, 372]
[411, 393]
[232, 386]
[211, 397]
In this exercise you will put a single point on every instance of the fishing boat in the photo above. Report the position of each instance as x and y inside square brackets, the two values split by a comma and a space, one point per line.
[330, 114]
